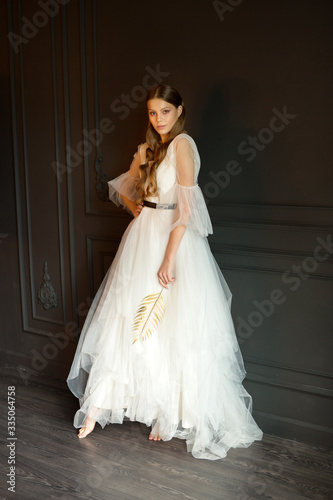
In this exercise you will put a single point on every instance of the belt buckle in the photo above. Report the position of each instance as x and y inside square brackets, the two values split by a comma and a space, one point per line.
[166, 206]
[162, 206]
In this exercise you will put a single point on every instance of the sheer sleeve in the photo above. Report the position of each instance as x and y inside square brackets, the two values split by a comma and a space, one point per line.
[125, 185]
[191, 210]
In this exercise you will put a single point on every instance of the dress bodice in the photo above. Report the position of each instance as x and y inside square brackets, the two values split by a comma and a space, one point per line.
[166, 172]
[191, 207]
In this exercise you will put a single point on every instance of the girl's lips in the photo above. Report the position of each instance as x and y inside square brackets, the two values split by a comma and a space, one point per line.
[160, 126]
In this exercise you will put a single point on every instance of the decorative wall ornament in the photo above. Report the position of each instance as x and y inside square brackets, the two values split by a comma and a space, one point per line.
[46, 294]
[102, 178]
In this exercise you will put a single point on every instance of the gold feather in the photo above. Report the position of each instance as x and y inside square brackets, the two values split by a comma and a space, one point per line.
[149, 314]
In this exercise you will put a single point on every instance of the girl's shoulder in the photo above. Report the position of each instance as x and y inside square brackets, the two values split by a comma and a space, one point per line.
[184, 137]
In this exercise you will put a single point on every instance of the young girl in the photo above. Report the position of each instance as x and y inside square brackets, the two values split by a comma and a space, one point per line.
[158, 345]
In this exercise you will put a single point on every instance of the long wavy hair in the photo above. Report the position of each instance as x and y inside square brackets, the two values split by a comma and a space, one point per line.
[156, 150]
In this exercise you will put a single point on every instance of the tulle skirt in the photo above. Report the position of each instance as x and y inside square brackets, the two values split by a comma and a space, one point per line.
[185, 379]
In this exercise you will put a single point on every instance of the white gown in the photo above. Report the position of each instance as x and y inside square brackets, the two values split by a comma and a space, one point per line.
[185, 379]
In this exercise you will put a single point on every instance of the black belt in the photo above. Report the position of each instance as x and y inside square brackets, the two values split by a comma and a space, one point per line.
[162, 206]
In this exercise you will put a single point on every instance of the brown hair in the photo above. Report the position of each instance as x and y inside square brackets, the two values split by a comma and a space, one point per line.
[156, 150]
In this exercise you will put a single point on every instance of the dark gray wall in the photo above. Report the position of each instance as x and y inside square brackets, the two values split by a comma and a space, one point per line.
[267, 179]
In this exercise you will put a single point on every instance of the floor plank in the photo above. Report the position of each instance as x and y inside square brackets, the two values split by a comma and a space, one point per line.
[120, 463]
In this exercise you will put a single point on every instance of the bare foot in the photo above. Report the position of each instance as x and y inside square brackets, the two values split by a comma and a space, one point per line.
[87, 429]
[154, 438]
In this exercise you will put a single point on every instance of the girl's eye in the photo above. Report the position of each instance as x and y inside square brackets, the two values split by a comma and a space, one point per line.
[152, 113]
[166, 111]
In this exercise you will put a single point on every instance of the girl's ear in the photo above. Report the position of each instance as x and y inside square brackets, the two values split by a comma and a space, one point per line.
[180, 110]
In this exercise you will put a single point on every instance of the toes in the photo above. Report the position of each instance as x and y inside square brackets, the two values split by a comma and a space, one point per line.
[87, 428]
[84, 431]
[81, 433]
[154, 438]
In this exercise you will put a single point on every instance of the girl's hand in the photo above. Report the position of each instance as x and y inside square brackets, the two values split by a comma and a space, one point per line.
[138, 209]
[165, 272]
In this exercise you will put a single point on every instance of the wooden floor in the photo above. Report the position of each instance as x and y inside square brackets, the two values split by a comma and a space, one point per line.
[119, 462]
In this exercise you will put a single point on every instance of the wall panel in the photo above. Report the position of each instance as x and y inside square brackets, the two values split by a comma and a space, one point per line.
[262, 60]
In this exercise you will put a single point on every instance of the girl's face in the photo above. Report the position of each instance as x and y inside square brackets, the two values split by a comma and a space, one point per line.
[163, 116]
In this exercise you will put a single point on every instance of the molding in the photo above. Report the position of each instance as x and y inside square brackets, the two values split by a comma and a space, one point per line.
[89, 243]
[113, 212]
[68, 134]
[18, 197]
[18, 184]
[85, 113]
[50, 320]
[279, 418]
[49, 335]
[276, 225]
[272, 364]
[102, 254]
[269, 271]
[317, 391]
[101, 178]
[283, 226]
[58, 184]
[272, 205]
[26, 174]
[260, 251]
[270, 216]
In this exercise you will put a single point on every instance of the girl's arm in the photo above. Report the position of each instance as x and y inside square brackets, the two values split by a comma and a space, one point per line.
[134, 208]
[185, 172]
[134, 172]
